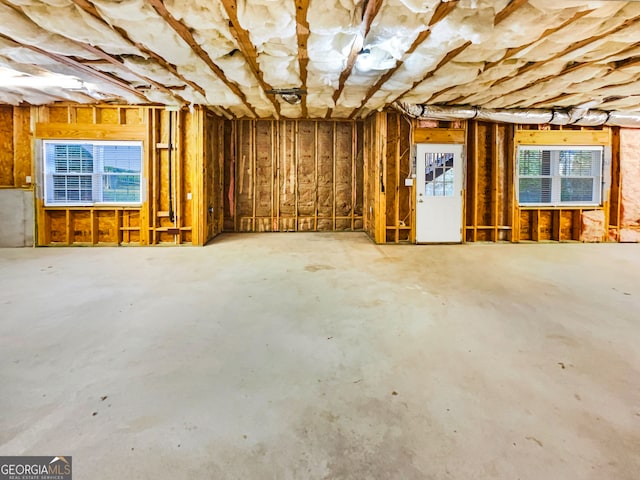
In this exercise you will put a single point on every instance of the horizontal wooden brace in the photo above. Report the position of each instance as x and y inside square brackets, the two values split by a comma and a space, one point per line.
[562, 137]
[76, 131]
[439, 135]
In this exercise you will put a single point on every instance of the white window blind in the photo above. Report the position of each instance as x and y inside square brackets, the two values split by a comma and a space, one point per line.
[552, 175]
[89, 173]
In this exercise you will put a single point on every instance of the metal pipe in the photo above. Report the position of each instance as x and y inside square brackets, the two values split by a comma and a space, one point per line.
[576, 116]
[170, 149]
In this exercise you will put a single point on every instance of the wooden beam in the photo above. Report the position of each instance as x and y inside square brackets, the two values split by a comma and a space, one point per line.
[101, 54]
[90, 131]
[187, 36]
[572, 48]
[579, 65]
[447, 58]
[90, 8]
[628, 62]
[562, 137]
[500, 16]
[114, 61]
[247, 48]
[81, 68]
[371, 9]
[441, 11]
[512, 51]
[511, 7]
[302, 32]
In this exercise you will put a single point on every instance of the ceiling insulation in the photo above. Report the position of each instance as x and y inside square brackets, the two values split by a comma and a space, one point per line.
[351, 57]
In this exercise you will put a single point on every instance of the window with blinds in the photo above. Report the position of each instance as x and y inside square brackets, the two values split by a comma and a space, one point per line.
[89, 173]
[553, 175]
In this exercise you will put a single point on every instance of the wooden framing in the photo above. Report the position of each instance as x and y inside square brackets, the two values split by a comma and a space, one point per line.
[441, 11]
[562, 224]
[375, 174]
[301, 175]
[81, 68]
[302, 33]
[15, 147]
[187, 36]
[247, 48]
[513, 51]
[90, 8]
[72, 131]
[562, 137]
[490, 208]
[438, 135]
[488, 195]
[572, 48]
[148, 224]
[294, 175]
[371, 9]
[511, 7]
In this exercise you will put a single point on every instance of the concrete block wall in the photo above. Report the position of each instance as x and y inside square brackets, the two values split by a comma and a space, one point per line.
[16, 217]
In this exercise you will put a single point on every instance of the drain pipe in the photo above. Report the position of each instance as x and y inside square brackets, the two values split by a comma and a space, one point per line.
[171, 212]
[580, 116]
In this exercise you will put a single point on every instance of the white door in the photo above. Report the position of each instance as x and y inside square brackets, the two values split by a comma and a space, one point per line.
[439, 193]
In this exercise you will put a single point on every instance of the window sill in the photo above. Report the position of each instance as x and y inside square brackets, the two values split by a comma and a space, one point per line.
[100, 206]
[547, 206]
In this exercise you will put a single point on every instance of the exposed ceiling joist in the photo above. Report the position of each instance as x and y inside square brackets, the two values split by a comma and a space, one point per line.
[513, 51]
[572, 48]
[185, 33]
[302, 35]
[90, 8]
[511, 7]
[247, 48]
[144, 55]
[112, 60]
[629, 62]
[371, 9]
[441, 11]
[572, 68]
[81, 68]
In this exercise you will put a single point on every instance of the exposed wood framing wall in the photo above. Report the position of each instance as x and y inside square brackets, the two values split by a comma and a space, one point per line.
[489, 192]
[15, 147]
[375, 140]
[389, 163]
[297, 175]
[148, 224]
[585, 224]
[491, 211]
[399, 198]
[212, 213]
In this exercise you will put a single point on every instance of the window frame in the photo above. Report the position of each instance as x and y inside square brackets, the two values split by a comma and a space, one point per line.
[556, 177]
[97, 175]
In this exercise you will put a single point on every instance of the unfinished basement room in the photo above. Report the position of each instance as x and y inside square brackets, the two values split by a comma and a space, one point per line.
[320, 239]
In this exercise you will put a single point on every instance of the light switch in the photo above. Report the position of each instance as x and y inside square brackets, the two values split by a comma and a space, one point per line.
[189, 196]
[28, 179]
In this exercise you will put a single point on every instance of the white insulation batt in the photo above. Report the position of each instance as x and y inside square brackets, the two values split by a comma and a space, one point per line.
[489, 72]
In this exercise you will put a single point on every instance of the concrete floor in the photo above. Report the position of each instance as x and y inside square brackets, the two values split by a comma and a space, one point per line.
[323, 356]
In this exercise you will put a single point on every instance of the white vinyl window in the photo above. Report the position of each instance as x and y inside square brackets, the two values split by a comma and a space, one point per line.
[559, 175]
[92, 172]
